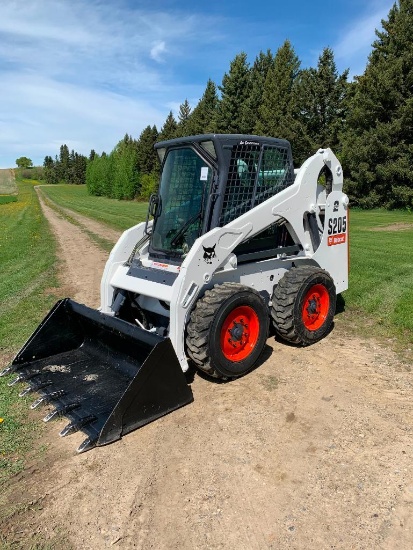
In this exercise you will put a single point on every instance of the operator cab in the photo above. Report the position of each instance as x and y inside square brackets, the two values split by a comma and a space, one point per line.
[208, 181]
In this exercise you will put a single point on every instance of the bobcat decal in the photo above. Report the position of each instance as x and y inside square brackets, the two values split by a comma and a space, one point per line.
[209, 253]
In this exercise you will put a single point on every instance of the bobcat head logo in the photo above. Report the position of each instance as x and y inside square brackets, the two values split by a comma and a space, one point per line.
[209, 253]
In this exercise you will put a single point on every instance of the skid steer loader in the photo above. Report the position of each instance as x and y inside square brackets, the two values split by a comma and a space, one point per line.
[234, 240]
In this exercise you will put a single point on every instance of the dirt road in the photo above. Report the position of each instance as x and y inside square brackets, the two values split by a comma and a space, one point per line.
[312, 450]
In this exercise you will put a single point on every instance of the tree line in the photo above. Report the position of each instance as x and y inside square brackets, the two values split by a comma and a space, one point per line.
[367, 122]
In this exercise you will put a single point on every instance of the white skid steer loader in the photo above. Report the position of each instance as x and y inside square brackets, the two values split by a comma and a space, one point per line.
[234, 240]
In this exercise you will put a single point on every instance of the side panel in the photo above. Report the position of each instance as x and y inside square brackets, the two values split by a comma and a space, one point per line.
[119, 255]
[332, 254]
[259, 275]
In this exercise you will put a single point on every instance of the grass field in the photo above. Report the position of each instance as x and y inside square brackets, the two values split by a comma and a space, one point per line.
[27, 251]
[379, 300]
[381, 271]
[117, 214]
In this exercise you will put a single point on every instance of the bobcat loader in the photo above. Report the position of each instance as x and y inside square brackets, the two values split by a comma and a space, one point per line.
[234, 240]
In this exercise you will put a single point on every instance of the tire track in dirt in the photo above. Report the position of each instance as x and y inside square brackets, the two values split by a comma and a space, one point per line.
[313, 449]
[93, 226]
[81, 261]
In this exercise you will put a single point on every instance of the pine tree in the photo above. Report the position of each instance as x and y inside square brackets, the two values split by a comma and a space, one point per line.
[234, 91]
[70, 172]
[124, 144]
[322, 102]
[279, 109]
[147, 158]
[183, 117]
[168, 130]
[259, 71]
[378, 144]
[92, 154]
[63, 167]
[50, 175]
[48, 162]
[79, 169]
[184, 111]
[202, 120]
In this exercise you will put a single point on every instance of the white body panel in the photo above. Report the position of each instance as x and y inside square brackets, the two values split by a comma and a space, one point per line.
[196, 273]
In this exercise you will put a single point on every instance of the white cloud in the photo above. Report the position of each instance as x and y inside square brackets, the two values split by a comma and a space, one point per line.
[157, 50]
[84, 73]
[56, 113]
[354, 45]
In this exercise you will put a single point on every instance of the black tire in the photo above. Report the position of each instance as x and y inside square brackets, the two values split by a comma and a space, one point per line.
[303, 305]
[219, 340]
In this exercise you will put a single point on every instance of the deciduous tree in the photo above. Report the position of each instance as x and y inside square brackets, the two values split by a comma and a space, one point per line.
[24, 162]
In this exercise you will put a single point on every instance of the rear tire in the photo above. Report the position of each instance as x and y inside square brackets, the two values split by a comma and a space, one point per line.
[227, 330]
[304, 304]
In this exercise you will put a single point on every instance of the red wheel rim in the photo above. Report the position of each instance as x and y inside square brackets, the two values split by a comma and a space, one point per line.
[239, 333]
[315, 307]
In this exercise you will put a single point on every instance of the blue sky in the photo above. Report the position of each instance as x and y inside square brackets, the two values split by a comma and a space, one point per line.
[85, 72]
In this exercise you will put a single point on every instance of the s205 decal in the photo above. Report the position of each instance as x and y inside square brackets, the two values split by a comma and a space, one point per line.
[336, 230]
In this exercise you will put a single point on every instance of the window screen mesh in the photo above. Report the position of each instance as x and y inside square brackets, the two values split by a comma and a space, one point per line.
[248, 183]
[274, 173]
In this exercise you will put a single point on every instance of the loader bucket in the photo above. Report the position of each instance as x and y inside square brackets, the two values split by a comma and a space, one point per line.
[107, 376]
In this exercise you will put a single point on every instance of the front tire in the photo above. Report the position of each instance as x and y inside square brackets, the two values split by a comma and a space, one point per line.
[304, 304]
[227, 330]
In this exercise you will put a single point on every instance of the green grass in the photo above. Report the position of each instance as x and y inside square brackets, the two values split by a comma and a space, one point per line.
[381, 272]
[6, 199]
[27, 251]
[118, 214]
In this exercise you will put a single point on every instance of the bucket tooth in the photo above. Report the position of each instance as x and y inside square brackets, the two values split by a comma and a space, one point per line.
[47, 397]
[76, 426]
[35, 387]
[87, 444]
[16, 380]
[60, 411]
[23, 377]
[9, 370]
[39, 401]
